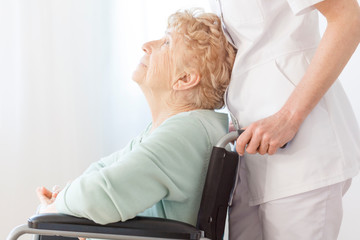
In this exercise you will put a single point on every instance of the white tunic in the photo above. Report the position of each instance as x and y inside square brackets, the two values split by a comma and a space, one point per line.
[276, 40]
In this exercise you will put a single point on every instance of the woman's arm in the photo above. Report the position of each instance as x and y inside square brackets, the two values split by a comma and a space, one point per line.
[337, 45]
[167, 165]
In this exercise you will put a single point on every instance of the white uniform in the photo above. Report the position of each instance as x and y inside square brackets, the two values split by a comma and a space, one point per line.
[276, 40]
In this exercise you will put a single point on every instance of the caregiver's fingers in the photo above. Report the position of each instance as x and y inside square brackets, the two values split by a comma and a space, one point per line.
[254, 143]
[242, 141]
[264, 146]
[273, 148]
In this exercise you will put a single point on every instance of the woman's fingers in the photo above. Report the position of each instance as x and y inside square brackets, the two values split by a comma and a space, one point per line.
[46, 192]
[55, 191]
[44, 199]
[56, 188]
[46, 196]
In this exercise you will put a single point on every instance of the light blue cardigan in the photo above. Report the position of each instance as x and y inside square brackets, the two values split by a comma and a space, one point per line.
[159, 174]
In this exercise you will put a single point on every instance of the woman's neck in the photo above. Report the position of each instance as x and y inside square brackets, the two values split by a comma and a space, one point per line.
[162, 109]
[161, 113]
[164, 105]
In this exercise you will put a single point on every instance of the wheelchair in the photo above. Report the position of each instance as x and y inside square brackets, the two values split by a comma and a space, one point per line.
[220, 179]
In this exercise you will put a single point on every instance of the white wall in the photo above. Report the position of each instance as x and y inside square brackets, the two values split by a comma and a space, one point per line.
[66, 95]
[350, 78]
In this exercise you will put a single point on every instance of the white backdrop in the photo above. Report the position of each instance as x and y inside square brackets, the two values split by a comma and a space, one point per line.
[67, 98]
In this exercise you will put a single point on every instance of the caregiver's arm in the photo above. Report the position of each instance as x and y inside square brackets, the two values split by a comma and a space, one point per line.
[337, 45]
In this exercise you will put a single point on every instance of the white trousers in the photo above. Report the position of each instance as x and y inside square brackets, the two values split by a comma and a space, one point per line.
[313, 215]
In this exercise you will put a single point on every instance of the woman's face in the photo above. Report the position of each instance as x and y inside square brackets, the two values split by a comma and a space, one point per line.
[162, 63]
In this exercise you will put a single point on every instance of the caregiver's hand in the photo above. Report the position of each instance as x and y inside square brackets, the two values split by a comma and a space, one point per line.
[267, 135]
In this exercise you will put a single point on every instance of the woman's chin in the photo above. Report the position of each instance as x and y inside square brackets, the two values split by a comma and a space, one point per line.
[138, 76]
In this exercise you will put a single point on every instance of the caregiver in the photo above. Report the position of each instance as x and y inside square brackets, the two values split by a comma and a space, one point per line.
[284, 89]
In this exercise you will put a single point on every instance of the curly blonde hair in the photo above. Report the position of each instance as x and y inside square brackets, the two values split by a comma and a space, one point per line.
[212, 55]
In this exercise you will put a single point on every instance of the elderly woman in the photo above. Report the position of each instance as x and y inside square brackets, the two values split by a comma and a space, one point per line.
[161, 173]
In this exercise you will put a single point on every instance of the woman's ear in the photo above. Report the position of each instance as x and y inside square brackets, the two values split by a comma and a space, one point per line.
[187, 81]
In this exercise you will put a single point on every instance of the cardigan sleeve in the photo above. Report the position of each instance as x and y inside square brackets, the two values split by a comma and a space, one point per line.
[155, 169]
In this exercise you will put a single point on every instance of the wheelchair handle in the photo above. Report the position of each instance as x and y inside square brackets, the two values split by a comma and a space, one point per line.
[230, 137]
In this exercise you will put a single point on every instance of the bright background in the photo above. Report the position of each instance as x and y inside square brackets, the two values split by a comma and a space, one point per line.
[67, 98]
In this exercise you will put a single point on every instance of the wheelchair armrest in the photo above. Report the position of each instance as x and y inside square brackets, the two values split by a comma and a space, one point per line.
[138, 226]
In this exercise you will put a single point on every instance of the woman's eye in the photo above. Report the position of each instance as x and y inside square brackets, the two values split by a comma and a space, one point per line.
[166, 42]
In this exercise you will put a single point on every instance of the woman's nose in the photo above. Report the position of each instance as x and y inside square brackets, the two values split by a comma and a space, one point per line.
[146, 47]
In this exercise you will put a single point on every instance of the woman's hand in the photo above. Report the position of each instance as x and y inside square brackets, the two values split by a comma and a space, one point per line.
[47, 199]
[267, 135]
[51, 208]
[46, 196]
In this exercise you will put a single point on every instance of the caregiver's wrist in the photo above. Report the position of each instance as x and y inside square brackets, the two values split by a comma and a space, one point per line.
[295, 116]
